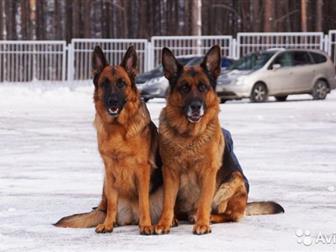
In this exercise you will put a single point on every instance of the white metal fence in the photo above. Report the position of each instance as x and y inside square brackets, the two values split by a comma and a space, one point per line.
[80, 53]
[252, 42]
[22, 61]
[188, 45]
[332, 45]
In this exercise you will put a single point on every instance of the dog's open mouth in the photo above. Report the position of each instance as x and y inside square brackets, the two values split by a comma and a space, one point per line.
[113, 111]
[194, 118]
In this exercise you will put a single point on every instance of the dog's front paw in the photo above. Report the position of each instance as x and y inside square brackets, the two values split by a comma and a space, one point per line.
[104, 228]
[162, 228]
[200, 229]
[146, 229]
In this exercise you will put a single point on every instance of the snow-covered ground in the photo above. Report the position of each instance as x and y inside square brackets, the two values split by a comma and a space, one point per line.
[50, 167]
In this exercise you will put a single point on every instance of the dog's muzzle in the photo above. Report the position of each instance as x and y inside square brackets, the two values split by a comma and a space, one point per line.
[195, 111]
[114, 104]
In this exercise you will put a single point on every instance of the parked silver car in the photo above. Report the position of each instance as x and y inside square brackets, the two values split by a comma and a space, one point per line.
[279, 73]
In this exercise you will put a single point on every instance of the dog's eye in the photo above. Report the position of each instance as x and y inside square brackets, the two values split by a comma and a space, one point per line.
[104, 84]
[120, 84]
[185, 88]
[202, 87]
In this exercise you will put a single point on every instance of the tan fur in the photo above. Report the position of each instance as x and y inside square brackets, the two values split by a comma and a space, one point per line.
[197, 186]
[191, 152]
[263, 207]
[82, 220]
[230, 200]
[194, 177]
[127, 145]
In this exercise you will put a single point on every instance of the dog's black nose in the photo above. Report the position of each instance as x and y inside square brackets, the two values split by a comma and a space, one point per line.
[196, 106]
[112, 100]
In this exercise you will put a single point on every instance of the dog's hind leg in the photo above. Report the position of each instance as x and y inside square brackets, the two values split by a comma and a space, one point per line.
[230, 200]
[235, 209]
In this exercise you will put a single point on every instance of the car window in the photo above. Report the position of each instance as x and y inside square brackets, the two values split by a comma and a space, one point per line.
[252, 61]
[284, 59]
[301, 58]
[225, 63]
[195, 61]
[184, 60]
[318, 58]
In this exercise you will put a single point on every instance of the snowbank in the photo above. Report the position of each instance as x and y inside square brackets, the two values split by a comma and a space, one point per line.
[50, 167]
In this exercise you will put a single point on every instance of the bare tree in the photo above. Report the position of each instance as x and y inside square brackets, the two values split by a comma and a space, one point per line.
[2, 20]
[32, 19]
[268, 15]
[319, 17]
[304, 4]
[40, 20]
[57, 19]
[67, 19]
[256, 8]
[77, 28]
[123, 8]
[196, 17]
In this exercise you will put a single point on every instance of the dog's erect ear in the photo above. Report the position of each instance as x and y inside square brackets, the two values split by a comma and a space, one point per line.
[171, 67]
[99, 62]
[129, 62]
[212, 63]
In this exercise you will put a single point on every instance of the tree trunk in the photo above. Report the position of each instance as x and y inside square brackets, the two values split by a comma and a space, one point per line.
[68, 23]
[256, 15]
[76, 28]
[196, 17]
[180, 17]
[124, 5]
[319, 17]
[2, 20]
[304, 4]
[32, 19]
[57, 20]
[40, 20]
[268, 15]
[87, 18]
[245, 14]
[144, 20]
[10, 20]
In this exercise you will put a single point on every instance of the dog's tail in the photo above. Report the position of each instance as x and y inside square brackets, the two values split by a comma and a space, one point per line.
[82, 220]
[263, 207]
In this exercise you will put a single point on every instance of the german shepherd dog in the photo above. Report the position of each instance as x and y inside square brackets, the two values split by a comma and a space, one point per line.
[127, 142]
[197, 185]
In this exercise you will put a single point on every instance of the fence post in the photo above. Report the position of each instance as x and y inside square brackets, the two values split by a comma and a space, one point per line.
[146, 57]
[327, 45]
[64, 60]
[233, 48]
[238, 46]
[150, 57]
[70, 76]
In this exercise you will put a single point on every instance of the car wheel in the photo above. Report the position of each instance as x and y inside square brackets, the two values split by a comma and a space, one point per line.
[222, 100]
[320, 90]
[281, 98]
[259, 93]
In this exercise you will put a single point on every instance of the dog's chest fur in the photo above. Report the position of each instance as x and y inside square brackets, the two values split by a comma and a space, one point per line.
[122, 157]
[190, 158]
[188, 194]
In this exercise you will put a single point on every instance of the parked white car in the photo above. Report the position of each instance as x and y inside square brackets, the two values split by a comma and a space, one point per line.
[279, 73]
